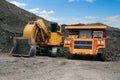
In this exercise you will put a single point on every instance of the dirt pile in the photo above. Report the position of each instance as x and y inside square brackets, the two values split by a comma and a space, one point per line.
[12, 22]
[112, 51]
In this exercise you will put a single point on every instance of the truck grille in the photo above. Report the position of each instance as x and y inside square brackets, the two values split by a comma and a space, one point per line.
[83, 44]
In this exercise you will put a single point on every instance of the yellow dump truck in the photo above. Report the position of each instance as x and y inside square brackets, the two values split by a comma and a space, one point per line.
[38, 39]
[85, 40]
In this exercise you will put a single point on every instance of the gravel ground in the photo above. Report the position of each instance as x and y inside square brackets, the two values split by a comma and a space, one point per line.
[60, 68]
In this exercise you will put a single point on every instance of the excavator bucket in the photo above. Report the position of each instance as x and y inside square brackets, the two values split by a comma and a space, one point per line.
[22, 47]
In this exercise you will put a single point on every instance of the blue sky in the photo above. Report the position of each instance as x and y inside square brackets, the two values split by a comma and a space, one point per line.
[74, 11]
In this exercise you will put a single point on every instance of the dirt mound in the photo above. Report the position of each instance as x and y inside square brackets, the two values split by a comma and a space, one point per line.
[12, 22]
[112, 51]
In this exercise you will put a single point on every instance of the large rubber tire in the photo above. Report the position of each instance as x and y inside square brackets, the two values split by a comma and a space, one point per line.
[67, 53]
[100, 57]
[69, 56]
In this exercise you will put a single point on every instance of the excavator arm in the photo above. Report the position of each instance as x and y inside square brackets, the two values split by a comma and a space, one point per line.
[36, 31]
[34, 34]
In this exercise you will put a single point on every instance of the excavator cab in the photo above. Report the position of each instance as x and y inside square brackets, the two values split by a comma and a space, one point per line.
[55, 27]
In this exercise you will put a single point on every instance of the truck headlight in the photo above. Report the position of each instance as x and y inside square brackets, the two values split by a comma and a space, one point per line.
[100, 41]
[67, 41]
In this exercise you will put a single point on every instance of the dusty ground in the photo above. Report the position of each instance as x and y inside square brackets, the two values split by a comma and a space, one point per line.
[46, 68]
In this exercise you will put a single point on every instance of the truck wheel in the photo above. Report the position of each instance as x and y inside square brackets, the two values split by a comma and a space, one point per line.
[69, 56]
[67, 53]
[100, 57]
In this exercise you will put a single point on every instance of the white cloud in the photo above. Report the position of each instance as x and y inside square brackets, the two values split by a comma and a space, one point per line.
[112, 19]
[35, 10]
[50, 18]
[91, 17]
[38, 11]
[89, 1]
[73, 21]
[18, 3]
[71, 0]
[54, 18]
[76, 20]
[45, 14]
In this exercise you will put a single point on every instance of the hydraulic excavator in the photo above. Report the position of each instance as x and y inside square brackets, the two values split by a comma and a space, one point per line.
[38, 39]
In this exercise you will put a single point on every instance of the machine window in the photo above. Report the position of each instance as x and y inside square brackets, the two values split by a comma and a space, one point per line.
[85, 33]
[97, 34]
[54, 27]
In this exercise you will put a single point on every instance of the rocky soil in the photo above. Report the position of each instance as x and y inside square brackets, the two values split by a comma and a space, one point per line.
[112, 52]
[47, 68]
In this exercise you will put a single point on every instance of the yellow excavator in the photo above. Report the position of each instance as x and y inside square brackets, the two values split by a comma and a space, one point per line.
[38, 39]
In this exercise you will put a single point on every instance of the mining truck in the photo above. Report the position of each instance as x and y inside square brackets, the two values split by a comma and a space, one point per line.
[38, 39]
[85, 40]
